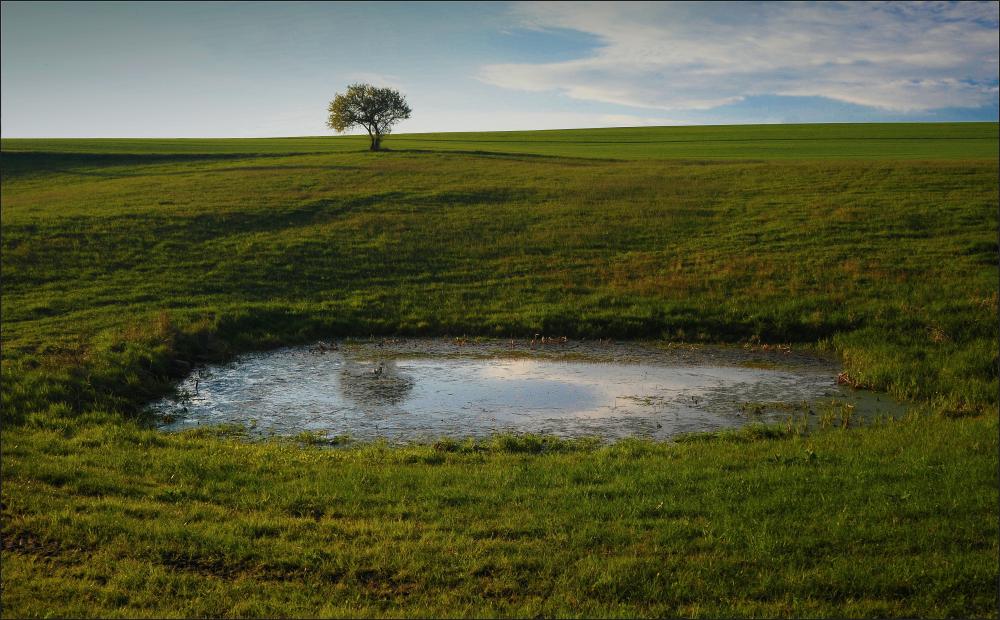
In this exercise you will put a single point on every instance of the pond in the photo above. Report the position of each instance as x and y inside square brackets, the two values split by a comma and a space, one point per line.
[426, 389]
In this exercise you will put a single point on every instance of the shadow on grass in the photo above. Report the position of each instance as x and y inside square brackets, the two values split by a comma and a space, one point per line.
[513, 156]
[19, 164]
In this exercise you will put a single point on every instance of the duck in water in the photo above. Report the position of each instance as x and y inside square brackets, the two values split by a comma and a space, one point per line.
[378, 371]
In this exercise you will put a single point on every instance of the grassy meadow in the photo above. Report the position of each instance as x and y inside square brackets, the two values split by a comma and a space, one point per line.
[126, 261]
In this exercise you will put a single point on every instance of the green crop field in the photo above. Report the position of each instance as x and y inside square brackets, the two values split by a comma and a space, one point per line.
[125, 260]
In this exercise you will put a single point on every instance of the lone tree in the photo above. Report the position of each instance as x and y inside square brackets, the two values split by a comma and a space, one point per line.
[375, 109]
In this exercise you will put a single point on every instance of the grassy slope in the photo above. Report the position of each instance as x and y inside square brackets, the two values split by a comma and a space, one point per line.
[840, 141]
[120, 256]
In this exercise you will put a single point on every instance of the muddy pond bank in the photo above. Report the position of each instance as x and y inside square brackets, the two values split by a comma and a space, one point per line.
[424, 389]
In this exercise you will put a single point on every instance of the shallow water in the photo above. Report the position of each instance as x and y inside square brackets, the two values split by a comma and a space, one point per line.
[430, 389]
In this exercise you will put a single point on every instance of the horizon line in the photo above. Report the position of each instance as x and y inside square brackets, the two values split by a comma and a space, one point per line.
[421, 133]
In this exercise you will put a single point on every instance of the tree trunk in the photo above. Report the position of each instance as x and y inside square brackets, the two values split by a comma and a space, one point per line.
[376, 143]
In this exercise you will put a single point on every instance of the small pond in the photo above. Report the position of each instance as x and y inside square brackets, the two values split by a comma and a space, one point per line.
[425, 389]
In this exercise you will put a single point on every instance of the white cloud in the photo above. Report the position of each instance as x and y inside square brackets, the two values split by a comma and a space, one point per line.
[903, 56]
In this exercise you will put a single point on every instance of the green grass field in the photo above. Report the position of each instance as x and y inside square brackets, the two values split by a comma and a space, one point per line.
[842, 141]
[123, 258]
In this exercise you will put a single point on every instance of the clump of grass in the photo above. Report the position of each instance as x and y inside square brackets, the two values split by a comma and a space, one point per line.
[750, 432]
[834, 413]
[218, 430]
[756, 408]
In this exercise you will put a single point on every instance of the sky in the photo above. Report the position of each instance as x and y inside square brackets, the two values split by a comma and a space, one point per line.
[246, 69]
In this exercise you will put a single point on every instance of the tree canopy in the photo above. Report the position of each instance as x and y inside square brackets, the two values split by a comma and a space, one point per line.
[375, 109]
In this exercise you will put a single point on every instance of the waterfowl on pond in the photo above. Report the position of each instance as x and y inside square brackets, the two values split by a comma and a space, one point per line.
[378, 371]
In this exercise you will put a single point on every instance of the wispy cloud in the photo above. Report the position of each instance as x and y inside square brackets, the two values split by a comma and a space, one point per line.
[900, 56]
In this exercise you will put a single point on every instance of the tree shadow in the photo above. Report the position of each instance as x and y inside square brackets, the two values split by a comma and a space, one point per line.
[514, 156]
[22, 164]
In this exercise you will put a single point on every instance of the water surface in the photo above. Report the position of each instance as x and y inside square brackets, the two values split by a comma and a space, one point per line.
[426, 390]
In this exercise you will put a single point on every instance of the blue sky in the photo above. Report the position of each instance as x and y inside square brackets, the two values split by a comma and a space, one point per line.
[240, 69]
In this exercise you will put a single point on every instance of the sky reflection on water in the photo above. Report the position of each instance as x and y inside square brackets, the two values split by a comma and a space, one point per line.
[291, 390]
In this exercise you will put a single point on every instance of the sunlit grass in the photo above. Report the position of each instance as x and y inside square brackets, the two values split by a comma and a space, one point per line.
[894, 520]
[126, 261]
